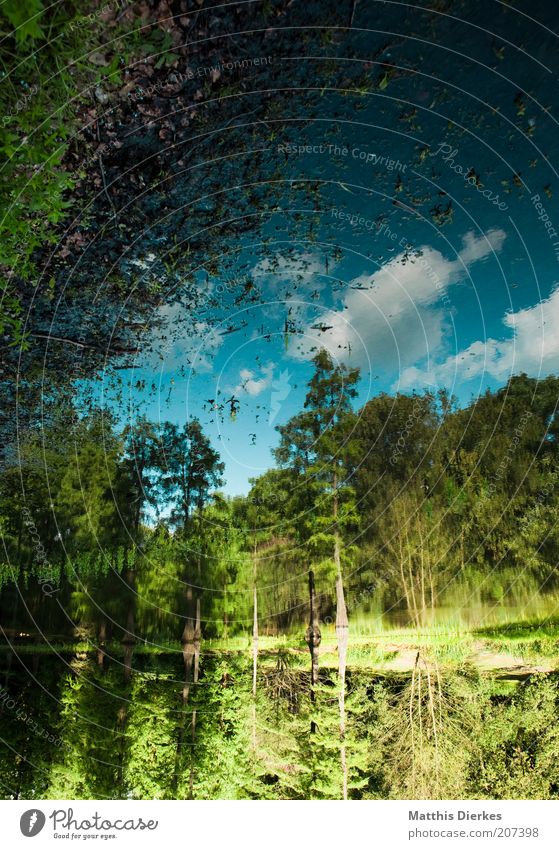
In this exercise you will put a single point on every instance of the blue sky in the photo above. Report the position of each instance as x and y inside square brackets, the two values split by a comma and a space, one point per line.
[456, 311]
[413, 238]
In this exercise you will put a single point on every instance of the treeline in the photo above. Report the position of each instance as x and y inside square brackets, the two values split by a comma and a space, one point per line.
[112, 533]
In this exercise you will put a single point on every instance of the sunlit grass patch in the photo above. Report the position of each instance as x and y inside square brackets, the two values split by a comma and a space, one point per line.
[526, 630]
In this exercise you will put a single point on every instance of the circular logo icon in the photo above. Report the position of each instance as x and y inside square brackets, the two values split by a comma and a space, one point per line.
[32, 822]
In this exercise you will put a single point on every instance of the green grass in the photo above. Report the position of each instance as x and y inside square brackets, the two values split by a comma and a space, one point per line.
[382, 650]
[526, 630]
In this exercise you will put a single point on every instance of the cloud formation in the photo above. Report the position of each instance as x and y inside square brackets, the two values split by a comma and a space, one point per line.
[533, 348]
[253, 385]
[401, 314]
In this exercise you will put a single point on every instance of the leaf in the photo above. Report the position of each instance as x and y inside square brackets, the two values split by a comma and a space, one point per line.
[383, 82]
[24, 16]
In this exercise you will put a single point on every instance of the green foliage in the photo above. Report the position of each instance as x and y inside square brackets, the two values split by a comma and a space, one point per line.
[438, 735]
[87, 505]
[223, 762]
[45, 77]
[318, 447]
[25, 18]
[151, 738]
[319, 772]
[188, 468]
[86, 765]
[516, 752]
[78, 508]
[422, 735]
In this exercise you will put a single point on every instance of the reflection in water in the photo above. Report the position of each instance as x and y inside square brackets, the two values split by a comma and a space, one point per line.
[292, 283]
[85, 732]
[463, 609]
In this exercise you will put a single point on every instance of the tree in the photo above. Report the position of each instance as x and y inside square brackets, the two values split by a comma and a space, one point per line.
[142, 456]
[413, 547]
[265, 532]
[189, 468]
[318, 444]
[92, 504]
[94, 517]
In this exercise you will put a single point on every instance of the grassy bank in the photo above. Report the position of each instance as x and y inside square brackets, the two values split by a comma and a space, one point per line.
[517, 648]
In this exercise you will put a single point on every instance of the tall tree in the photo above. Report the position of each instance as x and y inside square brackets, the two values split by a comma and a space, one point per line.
[142, 460]
[265, 530]
[190, 469]
[318, 444]
[92, 510]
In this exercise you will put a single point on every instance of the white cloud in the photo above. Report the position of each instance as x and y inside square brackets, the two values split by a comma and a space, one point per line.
[203, 352]
[400, 314]
[253, 385]
[476, 247]
[533, 348]
[183, 341]
[294, 276]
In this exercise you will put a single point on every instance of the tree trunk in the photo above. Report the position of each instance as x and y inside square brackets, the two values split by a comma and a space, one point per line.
[254, 659]
[101, 640]
[129, 639]
[190, 641]
[254, 642]
[197, 641]
[342, 633]
[190, 653]
[402, 575]
[313, 641]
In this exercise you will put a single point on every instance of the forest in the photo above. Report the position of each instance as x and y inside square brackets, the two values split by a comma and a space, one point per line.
[257, 193]
[125, 565]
